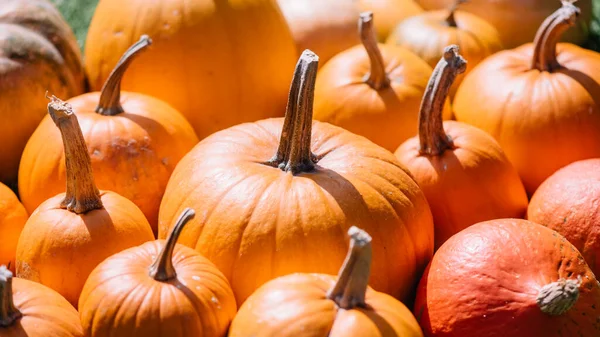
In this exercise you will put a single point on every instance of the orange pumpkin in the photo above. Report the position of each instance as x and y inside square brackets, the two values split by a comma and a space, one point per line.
[12, 219]
[70, 233]
[508, 278]
[427, 34]
[38, 52]
[134, 142]
[157, 289]
[325, 305]
[218, 62]
[462, 170]
[272, 195]
[542, 105]
[28, 309]
[567, 202]
[518, 20]
[373, 90]
[389, 13]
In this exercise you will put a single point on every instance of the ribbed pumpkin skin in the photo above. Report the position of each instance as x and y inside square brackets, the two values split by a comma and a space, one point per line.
[484, 282]
[257, 222]
[12, 220]
[219, 63]
[38, 53]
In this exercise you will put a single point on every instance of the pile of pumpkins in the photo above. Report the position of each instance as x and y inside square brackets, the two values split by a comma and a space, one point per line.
[254, 168]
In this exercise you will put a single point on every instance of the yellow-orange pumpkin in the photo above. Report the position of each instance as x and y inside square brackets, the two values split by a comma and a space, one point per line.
[12, 219]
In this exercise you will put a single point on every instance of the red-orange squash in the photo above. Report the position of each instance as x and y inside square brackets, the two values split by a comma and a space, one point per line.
[325, 305]
[542, 105]
[462, 170]
[508, 278]
[277, 196]
[158, 289]
[373, 90]
[38, 53]
[218, 62]
[134, 142]
[71, 233]
[12, 219]
[29, 309]
[567, 202]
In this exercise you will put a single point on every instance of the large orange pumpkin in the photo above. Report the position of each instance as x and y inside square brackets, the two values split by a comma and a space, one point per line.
[508, 278]
[542, 105]
[157, 289]
[12, 219]
[568, 203]
[218, 62]
[373, 90]
[325, 305]
[518, 20]
[277, 196]
[462, 170]
[134, 141]
[38, 52]
[71, 233]
[29, 309]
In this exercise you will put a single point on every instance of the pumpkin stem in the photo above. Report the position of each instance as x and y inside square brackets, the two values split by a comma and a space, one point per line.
[110, 97]
[433, 140]
[82, 194]
[162, 268]
[547, 36]
[294, 154]
[377, 77]
[8, 312]
[558, 297]
[451, 20]
[353, 279]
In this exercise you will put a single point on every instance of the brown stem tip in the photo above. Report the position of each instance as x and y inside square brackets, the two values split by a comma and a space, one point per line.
[9, 314]
[559, 297]
[377, 77]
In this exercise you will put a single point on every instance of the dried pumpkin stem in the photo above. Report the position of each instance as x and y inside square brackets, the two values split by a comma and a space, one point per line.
[110, 97]
[8, 312]
[82, 194]
[432, 137]
[294, 154]
[451, 20]
[162, 268]
[377, 77]
[353, 279]
[558, 297]
[544, 52]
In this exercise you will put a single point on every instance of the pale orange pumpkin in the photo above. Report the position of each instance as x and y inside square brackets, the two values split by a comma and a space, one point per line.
[12, 220]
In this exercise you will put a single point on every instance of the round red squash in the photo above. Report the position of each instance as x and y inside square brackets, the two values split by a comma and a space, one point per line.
[134, 142]
[277, 196]
[508, 278]
[325, 305]
[71, 233]
[542, 104]
[12, 220]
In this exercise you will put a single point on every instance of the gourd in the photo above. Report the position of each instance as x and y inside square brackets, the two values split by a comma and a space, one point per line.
[12, 220]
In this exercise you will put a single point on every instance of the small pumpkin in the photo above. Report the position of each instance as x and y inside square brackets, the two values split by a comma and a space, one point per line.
[70, 233]
[12, 219]
[508, 278]
[157, 289]
[271, 195]
[567, 202]
[373, 90]
[38, 52]
[462, 170]
[542, 106]
[134, 142]
[389, 13]
[29, 309]
[429, 33]
[219, 63]
[325, 305]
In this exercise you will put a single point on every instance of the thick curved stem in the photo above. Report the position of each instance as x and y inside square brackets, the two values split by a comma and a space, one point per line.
[547, 36]
[162, 268]
[110, 96]
[294, 154]
[558, 297]
[82, 194]
[353, 279]
[451, 20]
[9, 314]
[377, 77]
[433, 140]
